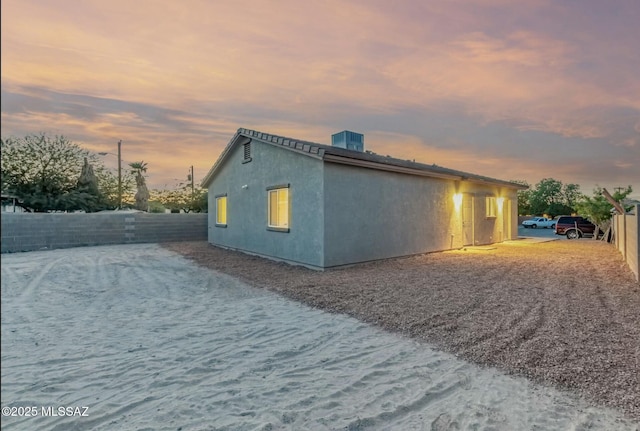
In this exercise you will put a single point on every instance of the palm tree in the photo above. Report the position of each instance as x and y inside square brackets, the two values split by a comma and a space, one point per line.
[138, 167]
[142, 195]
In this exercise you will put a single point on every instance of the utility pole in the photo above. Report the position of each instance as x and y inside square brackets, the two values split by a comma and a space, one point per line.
[193, 192]
[120, 174]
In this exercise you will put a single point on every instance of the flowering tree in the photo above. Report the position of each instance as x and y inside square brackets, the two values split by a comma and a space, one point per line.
[182, 198]
[43, 173]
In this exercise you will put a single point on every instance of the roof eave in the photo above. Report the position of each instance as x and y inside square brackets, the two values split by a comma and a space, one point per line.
[333, 158]
[216, 166]
[305, 148]
[335, 155]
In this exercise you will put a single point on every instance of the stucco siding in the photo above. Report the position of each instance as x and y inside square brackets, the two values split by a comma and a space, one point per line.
[371, 214]
[245, 185]
[342, 214]
[503, 226]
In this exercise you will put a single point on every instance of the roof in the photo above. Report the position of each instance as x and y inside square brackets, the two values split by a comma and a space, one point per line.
[328, 153]
[9, 196]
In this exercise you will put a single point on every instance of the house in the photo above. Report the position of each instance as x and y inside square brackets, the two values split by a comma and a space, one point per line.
[11, 204]
[325, 206]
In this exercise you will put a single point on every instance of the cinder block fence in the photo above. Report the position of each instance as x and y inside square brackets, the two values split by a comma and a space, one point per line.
[33, 231]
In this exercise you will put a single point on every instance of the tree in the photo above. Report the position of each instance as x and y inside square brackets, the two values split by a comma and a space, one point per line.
[139, 168]
[597, 208]
[43, 172]
[571, 194]
[183, 198]
[524, 198]
[108, 184]
[546, 193]
[200, 201]
[142, 195]
[553, 198]
[87, 189]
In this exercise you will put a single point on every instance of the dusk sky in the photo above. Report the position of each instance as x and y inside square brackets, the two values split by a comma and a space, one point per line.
[512, 89]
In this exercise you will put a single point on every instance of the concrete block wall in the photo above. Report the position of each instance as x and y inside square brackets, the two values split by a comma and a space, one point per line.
[32, 231]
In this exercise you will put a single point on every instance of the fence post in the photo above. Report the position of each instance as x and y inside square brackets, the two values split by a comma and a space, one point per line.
[637, 250]
[624, 232]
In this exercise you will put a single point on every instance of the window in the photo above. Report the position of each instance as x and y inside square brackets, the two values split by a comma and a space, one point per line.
[278, 217]
[491, 206]
[221, 210]
[246, 152]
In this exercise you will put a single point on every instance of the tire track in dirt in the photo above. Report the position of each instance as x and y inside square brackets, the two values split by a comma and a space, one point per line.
[144, 340]
[561, 312]
[28, 291]
[504, 326]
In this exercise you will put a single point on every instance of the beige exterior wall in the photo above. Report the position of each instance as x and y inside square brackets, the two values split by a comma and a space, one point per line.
[487, 230]
[342, 214]
[627, 239]
[245, 186]
[371, 214]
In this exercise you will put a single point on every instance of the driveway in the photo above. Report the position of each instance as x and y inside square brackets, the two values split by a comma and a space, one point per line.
[538, 233]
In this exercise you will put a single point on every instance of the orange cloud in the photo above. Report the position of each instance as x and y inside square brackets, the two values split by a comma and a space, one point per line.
[203, 63]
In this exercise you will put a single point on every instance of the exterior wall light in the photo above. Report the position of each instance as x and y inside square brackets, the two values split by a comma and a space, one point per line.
[457, 200]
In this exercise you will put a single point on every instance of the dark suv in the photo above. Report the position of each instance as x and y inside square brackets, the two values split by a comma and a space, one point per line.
[574, 227]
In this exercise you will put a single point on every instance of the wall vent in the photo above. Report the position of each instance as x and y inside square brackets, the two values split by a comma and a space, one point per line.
[246, 152]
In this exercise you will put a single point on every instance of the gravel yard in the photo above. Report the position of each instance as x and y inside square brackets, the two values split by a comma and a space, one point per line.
[563, 313]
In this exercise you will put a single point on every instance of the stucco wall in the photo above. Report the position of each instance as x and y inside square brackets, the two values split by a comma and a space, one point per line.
[371, 214]
[488, 230]
[343, 214]
[246, 228]
[32, 231]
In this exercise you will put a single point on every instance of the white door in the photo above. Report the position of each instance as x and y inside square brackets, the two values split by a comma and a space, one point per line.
[467, 219]
[506, 218]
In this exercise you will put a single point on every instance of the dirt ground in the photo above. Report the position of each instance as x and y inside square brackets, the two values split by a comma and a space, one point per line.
[563, 313]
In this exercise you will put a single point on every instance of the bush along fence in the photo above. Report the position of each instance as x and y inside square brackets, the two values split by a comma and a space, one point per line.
[46, 231]
[626, 228]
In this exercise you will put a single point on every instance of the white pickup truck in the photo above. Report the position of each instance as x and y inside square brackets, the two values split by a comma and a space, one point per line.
[539, 222]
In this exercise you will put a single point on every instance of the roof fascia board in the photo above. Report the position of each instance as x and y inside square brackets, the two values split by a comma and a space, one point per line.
[317, 151]
[238, 139]
[498, 183]
[332, 158]
[383, 167]
[298, 149]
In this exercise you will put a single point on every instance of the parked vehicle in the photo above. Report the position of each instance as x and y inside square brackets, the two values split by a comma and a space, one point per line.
[574, 227]
[539, 222]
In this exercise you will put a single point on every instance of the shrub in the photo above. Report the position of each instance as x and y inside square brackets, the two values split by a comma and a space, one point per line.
[156, 207]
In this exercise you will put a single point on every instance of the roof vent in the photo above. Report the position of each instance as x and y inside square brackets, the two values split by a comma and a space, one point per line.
[348, 140]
